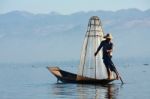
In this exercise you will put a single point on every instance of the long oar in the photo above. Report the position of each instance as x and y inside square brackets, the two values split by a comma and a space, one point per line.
[118, 75]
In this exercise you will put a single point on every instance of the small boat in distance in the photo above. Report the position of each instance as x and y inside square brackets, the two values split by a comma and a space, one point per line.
[91, 69]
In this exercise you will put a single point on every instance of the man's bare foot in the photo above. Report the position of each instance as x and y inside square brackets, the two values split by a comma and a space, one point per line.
[110, 77]
[117, 77]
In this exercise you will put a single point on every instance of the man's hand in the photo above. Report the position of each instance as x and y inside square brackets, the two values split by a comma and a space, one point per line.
[95, 53]
[109, 51]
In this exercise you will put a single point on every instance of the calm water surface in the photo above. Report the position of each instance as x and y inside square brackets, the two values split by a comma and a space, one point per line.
[35, 82]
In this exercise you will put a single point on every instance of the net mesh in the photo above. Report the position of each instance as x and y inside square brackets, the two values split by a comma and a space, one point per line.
[91, 66]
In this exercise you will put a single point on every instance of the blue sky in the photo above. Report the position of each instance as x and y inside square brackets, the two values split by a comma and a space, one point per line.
[70, 6]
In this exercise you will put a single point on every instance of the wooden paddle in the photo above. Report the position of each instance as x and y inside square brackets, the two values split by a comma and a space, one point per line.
[118, 75]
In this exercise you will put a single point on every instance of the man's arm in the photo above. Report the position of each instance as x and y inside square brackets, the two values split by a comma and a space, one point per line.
[99, 48]
[110, 51]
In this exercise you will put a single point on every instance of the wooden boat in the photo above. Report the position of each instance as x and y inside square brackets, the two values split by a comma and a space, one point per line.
[67, 77]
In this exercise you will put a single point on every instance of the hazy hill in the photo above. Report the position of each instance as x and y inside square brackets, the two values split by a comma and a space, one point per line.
[27, 37]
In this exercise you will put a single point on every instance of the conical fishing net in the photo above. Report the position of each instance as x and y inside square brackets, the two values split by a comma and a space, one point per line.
[91, 66]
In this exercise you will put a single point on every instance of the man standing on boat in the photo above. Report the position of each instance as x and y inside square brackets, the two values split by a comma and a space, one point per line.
[107, 46]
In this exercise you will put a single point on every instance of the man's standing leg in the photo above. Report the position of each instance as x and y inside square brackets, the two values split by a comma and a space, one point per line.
[106, 62]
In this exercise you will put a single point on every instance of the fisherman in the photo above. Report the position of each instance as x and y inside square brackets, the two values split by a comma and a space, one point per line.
[107, 46]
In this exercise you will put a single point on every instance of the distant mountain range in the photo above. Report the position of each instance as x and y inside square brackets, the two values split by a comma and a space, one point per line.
[27, 37]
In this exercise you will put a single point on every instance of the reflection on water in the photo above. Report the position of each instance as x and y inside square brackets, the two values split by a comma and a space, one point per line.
[85, 91]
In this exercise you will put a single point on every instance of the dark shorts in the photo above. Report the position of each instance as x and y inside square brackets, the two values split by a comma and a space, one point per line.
[108, 63]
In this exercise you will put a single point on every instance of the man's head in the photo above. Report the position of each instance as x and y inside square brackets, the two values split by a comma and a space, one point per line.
[108, 37]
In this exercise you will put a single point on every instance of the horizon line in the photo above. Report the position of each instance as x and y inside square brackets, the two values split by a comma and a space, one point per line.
[59, 13]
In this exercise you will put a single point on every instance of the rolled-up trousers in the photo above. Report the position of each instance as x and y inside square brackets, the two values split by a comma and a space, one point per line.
[108, 63]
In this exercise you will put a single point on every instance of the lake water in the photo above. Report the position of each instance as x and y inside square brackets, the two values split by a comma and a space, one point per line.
[34, 81]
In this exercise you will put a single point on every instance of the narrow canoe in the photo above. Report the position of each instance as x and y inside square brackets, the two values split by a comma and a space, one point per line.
[67, 77]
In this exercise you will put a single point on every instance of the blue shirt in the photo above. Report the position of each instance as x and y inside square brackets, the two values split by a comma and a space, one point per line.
[106, 45]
